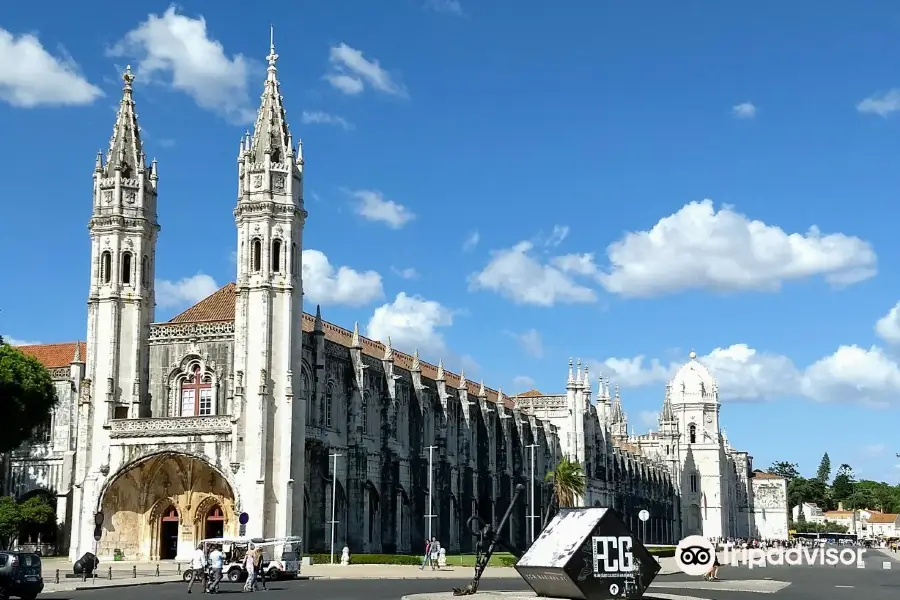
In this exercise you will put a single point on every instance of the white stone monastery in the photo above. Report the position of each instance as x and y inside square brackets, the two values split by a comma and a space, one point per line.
[171, 430]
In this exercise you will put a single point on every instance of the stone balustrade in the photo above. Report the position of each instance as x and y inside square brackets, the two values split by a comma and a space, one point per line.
[170, 426]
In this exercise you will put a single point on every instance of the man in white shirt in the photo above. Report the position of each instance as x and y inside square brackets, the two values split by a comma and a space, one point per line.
[198, 568]
[216, 560]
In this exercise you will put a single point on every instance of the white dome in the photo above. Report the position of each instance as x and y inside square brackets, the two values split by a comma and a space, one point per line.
[693, 383]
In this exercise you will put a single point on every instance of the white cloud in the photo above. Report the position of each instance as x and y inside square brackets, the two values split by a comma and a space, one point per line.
[557, 236]
[324, 118]
[408, 273]
[374, 206]
[180, 47]
[519, 275]
[184, 292]
[881, 104]
[699, 247]
[852, 374]
[12, 341]
[874, 450]
[888, 326]
[323, 284]
[531, 342]
[412, 322]
[744, 110]
[445, 6]
[471, 242]
[30, 76]
[352, 72]
[523, 382]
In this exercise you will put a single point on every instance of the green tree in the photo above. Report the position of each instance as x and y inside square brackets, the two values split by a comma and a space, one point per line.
[842, 487]
[10, 521]
[27, 395]
[785, 469]
[824, 472]
[37, 511]
[568, 482]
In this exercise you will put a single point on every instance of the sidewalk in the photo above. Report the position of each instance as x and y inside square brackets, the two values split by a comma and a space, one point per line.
[122, 573]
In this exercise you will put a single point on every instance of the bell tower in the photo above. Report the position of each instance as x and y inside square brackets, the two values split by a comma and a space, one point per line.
[123, 231]
[270, 217]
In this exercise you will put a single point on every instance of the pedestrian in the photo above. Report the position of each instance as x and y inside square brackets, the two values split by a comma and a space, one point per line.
[427, 554]
[250, 567]
[433, 550]
[198, 568]
[258, 567]
[216, 560]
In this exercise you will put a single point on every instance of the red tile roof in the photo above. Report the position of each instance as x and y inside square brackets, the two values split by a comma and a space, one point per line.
[54, 356]
[220, 307]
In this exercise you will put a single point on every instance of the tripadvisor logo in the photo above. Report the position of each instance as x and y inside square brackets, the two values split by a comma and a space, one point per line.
[794, 557]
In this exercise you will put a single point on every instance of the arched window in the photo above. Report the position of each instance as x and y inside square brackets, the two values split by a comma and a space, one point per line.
[695, 482]
[365, 413]
[276, 256]
[126, 268]
[196, 395]
[692, 432]
[145, 271]
[329, 398]
[255, 255]
[106, 267]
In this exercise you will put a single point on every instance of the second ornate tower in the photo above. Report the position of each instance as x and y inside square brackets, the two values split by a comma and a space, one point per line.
[268, 316]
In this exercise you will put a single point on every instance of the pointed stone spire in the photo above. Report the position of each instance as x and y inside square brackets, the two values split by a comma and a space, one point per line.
[618, 413]
[482, 393]
[270, 133]
[416, 365]
[388, 350]
[318, 327]
[77, 358]
[463, 384]
[600, 395]
[571, 373]
[355, 342]
[667, 415]
[500, 396]
[578, 378]
[587, 379]
[125, 146]
[440, 370]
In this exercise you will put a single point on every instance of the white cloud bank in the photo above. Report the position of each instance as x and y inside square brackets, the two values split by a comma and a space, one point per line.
[184, 292]
[412, 322]
[697, 247]
[324, 284]
[181, 49]
[31, 77]
[351, 73]
[373, 206]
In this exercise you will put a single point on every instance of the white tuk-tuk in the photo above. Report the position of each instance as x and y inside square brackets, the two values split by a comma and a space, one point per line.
[287, 566]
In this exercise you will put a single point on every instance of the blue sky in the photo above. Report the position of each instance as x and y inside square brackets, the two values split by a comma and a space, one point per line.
[510, 184]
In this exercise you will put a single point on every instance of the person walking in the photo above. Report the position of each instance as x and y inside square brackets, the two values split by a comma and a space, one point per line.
[434, 549]
[258, 567]
[427, 554]
[216, 561]
[250, 567]
[198, 568]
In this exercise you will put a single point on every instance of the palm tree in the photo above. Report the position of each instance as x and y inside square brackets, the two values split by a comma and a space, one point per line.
[568, 483]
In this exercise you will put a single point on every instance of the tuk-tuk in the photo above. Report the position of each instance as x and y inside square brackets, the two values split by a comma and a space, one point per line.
[285, 566]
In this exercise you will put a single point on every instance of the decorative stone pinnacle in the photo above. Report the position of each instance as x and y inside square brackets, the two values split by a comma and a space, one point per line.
[463, 384]
[354, 340]
[416, 365]
[440, 370]
[692, 355]
[388, 350]
[128, 78]
[482, 393]
[272, 57]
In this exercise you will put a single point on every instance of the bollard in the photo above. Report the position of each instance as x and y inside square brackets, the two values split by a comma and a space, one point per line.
[57, 576]
[134, 572]
[179, 568]
[157, 570]
[109, 574]
[83, 575]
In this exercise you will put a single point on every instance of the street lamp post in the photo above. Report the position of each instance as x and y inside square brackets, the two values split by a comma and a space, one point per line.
[333, 522]
[430, 516]
[533, 515]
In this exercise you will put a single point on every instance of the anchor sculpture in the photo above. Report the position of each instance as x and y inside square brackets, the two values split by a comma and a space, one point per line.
[488, 540]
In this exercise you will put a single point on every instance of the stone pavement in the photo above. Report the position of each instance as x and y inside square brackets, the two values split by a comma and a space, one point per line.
[128, 574]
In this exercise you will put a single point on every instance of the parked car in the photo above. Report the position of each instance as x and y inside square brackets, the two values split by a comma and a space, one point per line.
[20, 575]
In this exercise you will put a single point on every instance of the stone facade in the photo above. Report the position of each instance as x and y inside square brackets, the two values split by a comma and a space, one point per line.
[239, 404]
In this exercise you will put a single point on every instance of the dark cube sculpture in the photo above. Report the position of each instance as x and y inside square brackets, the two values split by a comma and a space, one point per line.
[587, 554]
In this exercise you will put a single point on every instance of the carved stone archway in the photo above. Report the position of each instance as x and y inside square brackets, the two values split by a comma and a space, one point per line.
[136, 497]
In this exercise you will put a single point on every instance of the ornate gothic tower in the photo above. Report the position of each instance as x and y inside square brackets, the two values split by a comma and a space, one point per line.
[123, 230]
[268, 314]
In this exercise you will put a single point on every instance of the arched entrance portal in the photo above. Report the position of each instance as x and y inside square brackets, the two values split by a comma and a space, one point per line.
[168, 534]
[159, 507]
